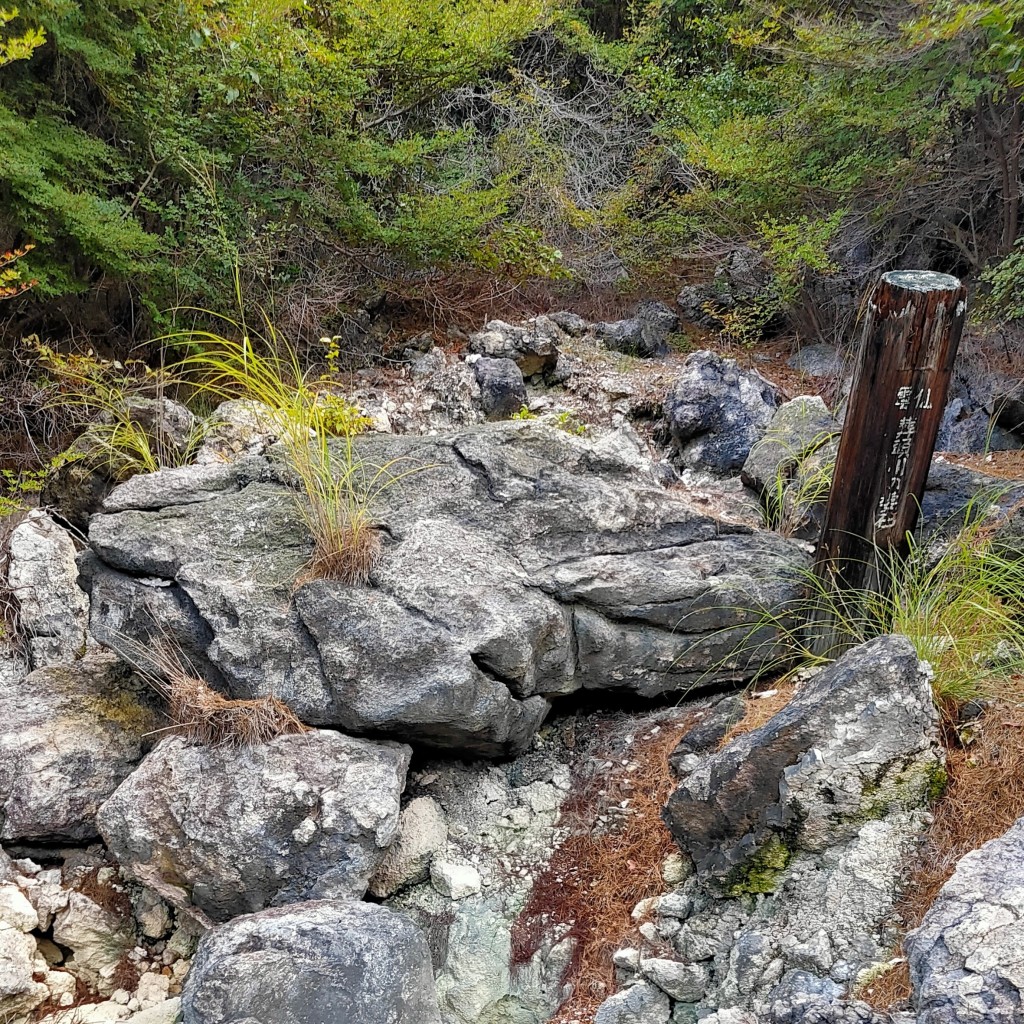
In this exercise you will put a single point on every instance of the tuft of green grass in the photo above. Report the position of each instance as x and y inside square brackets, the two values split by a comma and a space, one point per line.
[101, 393]
[125, 447]
[802, 481]
[317, 429]
[961, 606]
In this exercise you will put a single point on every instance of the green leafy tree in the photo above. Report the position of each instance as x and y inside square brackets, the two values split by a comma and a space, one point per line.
[165, 145]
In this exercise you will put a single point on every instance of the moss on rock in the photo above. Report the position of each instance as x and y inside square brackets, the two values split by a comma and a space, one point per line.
[760, 872]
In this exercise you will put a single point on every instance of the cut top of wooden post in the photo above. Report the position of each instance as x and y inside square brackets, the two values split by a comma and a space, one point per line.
[911, 335]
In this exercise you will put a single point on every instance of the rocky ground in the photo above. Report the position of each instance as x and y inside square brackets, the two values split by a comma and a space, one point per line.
[545, 659]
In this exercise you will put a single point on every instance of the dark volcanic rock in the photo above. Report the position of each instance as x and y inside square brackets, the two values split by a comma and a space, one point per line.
[533, 346]
[502, 391]
[716, 412]
[741, 279]
[858, 738]
[645, 333]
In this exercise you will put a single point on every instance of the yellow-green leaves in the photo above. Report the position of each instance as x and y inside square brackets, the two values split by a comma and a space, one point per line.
[21, 45]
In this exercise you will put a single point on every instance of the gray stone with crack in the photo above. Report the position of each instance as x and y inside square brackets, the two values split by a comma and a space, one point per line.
[967, 957]
[520, 563]
[320, 962]
[858, 739]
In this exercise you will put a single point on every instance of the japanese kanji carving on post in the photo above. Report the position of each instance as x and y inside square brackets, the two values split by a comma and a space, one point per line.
[899, 392]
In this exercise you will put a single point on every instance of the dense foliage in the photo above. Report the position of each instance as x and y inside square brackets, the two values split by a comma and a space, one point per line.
[329, 149]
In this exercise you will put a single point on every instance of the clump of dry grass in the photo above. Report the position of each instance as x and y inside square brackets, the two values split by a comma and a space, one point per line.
[599, 873]
[198, 712]
[984, 796]
[346, 550]
[890, 989]
[204, 716]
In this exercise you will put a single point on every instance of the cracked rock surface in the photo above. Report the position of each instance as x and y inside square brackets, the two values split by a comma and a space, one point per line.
[859, 739]
[222, 831]
[520, 564]
[967, 958]
[69, 735]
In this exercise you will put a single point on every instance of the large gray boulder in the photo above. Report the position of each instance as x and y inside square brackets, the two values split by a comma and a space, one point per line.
[520, 563]
[857, 741]
[323, 962]
[69, 735]
[532, 346]
[967, 957]
[715, 413]
[222, 831]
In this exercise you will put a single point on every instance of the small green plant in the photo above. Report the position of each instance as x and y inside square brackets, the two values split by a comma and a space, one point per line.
[682, 342]
[22, 482]
[10, 506]
[1004, 281]
[570, 423]
[106, 397]
[318, 430]
[801, 482]
[524, 414]
[962, 608]
[332, 353]
[745, 324]
[340, 418]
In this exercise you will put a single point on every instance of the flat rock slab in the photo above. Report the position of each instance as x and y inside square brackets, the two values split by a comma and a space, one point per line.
[520, 563]
[222, 831]
[857, 740]
[967, 958]
[69, 735]
[323, 962]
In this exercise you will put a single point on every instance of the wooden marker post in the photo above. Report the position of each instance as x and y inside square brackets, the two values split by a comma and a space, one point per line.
[915, 319]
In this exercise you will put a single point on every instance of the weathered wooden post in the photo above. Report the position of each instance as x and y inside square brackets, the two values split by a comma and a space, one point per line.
[913, 327]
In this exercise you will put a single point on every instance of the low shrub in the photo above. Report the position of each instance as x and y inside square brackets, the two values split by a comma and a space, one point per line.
[106, 397]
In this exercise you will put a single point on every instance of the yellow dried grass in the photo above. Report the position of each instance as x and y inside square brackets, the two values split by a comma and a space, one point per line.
[197, 711]
[347, 552]
[760, 705]
[206, 717]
